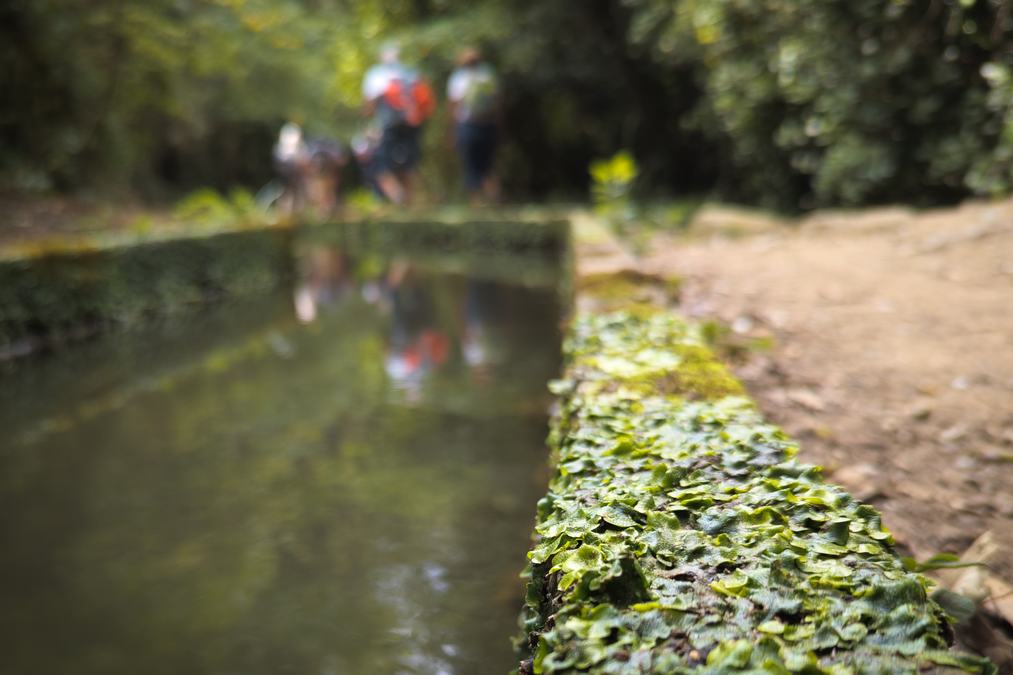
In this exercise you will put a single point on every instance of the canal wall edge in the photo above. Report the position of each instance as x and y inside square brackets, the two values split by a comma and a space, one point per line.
[681, 533]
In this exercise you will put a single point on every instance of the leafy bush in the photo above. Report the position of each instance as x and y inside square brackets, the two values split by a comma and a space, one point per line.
[208, 208]
[850, 101]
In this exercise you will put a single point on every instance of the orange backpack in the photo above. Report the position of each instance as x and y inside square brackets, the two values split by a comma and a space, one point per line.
[413, 100]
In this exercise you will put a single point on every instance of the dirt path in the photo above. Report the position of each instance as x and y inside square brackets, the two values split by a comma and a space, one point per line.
[893, 353]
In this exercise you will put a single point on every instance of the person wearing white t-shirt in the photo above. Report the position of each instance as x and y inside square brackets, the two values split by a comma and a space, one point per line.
[291, 158]
[473, 92]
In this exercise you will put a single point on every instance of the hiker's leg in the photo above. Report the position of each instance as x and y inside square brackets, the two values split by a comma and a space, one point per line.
[490, 188]
[387, 163]
[490, 183]
[409, 181]
[478, 147]
[391, 187]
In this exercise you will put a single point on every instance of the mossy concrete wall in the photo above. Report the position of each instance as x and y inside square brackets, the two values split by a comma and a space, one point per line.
[57, 296]
[472, 236]
[53, 296]
[680, 532]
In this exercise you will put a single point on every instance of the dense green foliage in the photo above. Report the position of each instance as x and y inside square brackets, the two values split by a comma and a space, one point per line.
[681, 534]
[786, 103]
[178, 92]
[850, 101]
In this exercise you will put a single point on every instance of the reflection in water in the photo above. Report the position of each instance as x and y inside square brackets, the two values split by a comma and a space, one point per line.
[325, 280]
[424, 334]
[417, 343]
[479, 345]
[346, 488]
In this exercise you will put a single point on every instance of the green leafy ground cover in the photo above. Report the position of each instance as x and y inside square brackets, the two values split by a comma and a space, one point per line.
[680, 533]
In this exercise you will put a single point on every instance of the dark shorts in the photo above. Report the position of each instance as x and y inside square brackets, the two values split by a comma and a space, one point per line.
[476, 144]
[287, 172]
[398, 150]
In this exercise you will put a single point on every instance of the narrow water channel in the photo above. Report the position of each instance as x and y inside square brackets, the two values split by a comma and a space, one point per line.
[339, 479]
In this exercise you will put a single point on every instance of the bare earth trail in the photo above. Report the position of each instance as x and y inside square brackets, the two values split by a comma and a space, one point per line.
[892, 361]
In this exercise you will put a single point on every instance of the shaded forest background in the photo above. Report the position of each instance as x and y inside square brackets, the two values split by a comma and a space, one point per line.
[790, 104]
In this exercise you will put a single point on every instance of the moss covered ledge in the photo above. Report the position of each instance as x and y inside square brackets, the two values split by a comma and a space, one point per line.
[680, 534]
[60, 295]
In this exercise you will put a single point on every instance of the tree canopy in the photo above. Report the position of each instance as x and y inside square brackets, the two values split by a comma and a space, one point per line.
[785, 103]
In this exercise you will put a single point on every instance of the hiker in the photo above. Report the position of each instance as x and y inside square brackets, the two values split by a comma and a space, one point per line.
[473, 92]
[399, 101]
[292, 163]
[327, 159]
[364, 145]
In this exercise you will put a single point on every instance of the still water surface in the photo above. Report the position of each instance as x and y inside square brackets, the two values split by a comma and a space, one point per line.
[339, 480]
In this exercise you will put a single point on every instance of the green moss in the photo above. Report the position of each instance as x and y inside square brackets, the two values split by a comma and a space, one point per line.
[683, 535]
[609, 286]
[628, 287]
[649, 351]
[700, 375]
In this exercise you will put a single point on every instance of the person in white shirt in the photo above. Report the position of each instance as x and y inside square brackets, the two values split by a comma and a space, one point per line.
[291, 157]
[473, 92]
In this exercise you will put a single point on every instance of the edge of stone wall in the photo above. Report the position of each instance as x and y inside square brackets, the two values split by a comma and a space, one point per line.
[68, 292]
[64, 295]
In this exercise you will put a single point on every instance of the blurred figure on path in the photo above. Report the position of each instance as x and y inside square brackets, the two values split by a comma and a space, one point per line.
[473, 92]
[399, 101]
[364, 146]
[323, 178]
[292, 163]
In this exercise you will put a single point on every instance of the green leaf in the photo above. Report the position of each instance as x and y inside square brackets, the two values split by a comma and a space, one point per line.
[734, 584]
[827, 548]
[938, 561]
[731, 654]
[546, 549]
[619, 515]
[772, 627]
[966, 662]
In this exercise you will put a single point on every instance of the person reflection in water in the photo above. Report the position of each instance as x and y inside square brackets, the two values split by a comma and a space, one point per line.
[478, 350]
[416, 345]
[325, 281]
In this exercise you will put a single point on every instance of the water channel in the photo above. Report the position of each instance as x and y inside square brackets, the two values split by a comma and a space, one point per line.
[336, 479]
